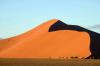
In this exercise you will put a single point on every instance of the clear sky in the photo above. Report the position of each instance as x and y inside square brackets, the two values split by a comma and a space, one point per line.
[19, 16]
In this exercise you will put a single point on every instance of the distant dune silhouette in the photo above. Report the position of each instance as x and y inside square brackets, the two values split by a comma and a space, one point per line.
[95, 26]
[52, 39]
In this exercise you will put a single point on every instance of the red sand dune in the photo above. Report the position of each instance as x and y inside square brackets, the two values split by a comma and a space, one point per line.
[39, 43]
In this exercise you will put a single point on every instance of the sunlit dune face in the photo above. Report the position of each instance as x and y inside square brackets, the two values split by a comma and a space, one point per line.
[41, 29]
[62, 43]
[39, 43]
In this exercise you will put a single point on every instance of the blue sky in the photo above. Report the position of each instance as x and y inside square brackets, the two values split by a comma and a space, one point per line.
[19, 16]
